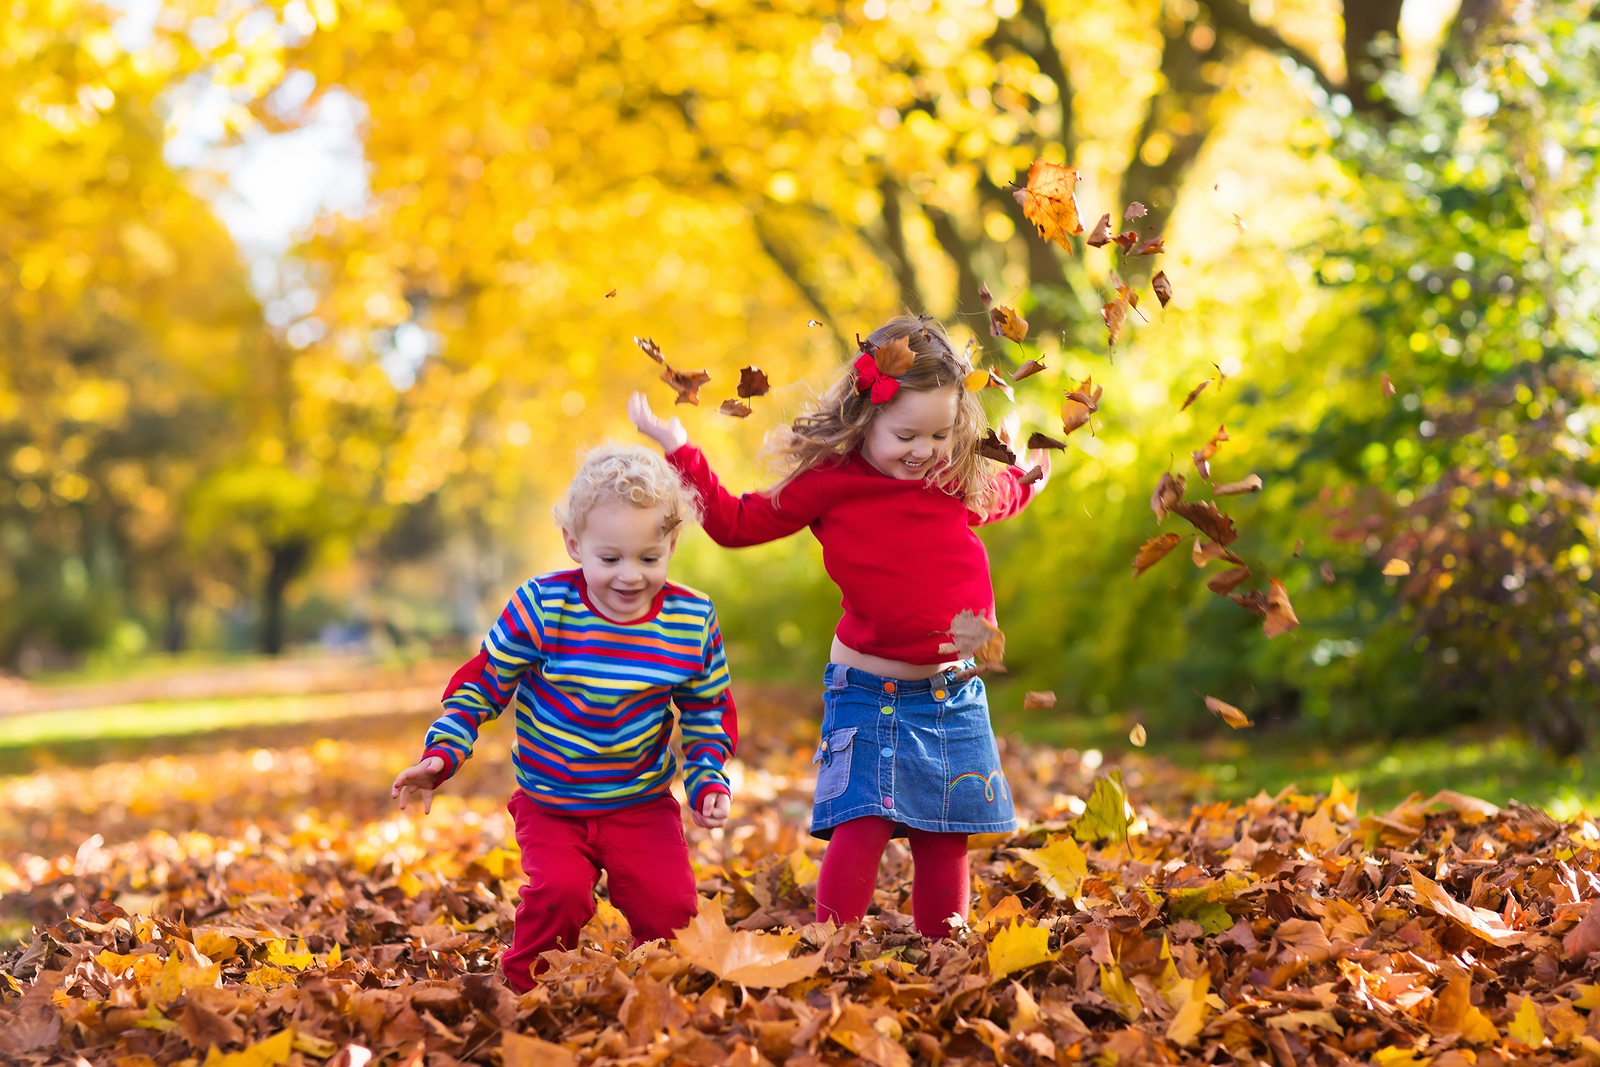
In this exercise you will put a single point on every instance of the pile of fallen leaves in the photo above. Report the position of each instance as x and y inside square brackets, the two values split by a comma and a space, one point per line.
[1285, 930]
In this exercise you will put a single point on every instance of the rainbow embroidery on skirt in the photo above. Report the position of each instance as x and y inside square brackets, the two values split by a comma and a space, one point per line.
[988, 781]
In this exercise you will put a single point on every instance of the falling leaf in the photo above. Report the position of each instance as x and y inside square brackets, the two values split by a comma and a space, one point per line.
[1050, 202]
[1105, 813]
[650, 348]
[1124, 290]
[1169, 491]
[737, 408]
[1327, 572]
[1205, 551]
[611, 294]
[1126, 240]
[1034, 474]
[686, 383]
[1038, 699]
[753, 382]
[1194, 394]
[1396, 568]
[1248, 484]
[1137, 736]
[1039, 440]
[972, 635]
[1135, 210]
[895, 357]
[1154, 551]
[1238, 220]
[1028, 369]
[987, 378]
[1205, 517]
[1150, 246]
[1100, 236]
[813, 322]
[1229, 580]
[1162, 287]
[1230, 714]
[1388, 386]
[1004, 322]
[1202, 456]
[1080, 404]
[744, 957]
[1280, 613]
[991, 447]
[1255, 602]
[1017, 947]
[1299, 543]
[1061, 864]
[1114, 313]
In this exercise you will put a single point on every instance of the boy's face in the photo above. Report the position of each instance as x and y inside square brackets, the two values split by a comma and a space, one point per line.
[912, 433]
[624, 557]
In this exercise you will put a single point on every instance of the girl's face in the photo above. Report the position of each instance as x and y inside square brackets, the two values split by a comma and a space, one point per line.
[913, 432]
[624, 557]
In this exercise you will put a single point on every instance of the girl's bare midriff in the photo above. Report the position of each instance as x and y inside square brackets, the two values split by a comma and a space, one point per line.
[886, 668]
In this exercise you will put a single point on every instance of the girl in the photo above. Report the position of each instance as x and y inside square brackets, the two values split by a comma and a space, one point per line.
[886, 473]
[591, 657]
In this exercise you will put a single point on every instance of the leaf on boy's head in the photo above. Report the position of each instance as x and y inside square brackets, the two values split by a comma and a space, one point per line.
[1028, 369]
[650, 348]
[1163, 289]
[1230, 714]
[1205, 517]
[1100, 236]
[1050, 202]
[1154, 551]
[895, 357]
[1041, 440]
[1280, 613]
[1005, 322]
[737, 408]
[1169, 491]
[991, 447]
[687, 383]
[753, 382]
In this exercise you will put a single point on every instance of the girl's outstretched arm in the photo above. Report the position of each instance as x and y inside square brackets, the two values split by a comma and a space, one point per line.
[1010, 495]
[732, 521]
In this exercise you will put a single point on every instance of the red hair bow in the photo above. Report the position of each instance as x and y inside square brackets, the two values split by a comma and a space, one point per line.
[869, 378]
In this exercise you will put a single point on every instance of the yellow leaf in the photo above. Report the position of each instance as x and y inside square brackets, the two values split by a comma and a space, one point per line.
[1525, 1027]
[607, 923]
[1395, 1056]
[278, 954]
[1117, 989]
[1008, 908]
[1396, 568]
[1588, 997]
[314, 1046]
[115, 962]
[217, 947]
[409, 884]
[1293, 1020]
[1061, 864]
[335, 956]
[1341, 796]
[1453, 1013]
[1017, 947]
[743, 956]
[273, 1051]
[1190, 1018]
[1137, 736]
[803, 867]
[167, 983]
[268, 977]
[498, 862]
[519, 1050]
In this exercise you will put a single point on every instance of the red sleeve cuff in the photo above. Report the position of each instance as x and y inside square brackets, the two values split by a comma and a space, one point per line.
[451, 764]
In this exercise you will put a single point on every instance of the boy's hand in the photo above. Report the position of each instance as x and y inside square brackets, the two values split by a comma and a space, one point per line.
[418, 779]
[669, 434]
[713, 811]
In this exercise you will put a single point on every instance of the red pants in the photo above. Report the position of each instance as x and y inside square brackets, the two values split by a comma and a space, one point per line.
[646, 860]
[939, 885]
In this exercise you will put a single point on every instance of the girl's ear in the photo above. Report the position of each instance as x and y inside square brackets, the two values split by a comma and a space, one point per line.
[571, 540]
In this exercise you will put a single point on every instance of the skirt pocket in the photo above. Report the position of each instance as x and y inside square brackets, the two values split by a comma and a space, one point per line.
[833, 777]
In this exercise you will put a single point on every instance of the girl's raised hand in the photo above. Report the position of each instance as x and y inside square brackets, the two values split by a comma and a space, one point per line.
[418, 779]
[669, 433]
[713, 811]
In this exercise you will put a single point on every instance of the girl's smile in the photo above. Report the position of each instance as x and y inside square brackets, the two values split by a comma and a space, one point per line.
[911, 435]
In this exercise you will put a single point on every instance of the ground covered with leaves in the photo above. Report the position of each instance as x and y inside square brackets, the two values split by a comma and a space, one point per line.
[262, 904]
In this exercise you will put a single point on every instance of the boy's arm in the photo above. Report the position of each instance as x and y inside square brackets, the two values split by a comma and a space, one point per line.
[485, 684]
[751, 519]
[710, 723]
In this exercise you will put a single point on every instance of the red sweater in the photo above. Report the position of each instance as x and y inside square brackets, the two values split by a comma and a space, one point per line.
[903, 553]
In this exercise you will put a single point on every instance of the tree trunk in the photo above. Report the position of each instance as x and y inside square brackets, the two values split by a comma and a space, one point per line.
[288, 559]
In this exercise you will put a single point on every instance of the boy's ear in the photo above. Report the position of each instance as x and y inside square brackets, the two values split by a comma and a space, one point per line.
[571, 540]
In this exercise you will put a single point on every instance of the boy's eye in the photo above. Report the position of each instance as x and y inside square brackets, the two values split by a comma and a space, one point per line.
[608, 559]
[649, 559]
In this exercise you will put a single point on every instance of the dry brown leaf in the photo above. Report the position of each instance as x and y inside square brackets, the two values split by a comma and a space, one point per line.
[753, 382]
[1230, 714]
[1100, 236]
[1005, 322]
[1248, 484]
[1150, 246]
[743, 957]
[1206, 551]
[520, 1050]
[1115, 314]
[895, 357]
[1126, 240]
[737, 408]
[1280, 613]
[1226, 582]
[1169, 491]
[1327, 572]
[987, 378]
[1255, 601]
[1388, 386]
[1039, 440]
[1162, 287]
[611, 294]
[1485, 924]
[1205, 517]
[970, 632]
[1154, 551]
[1194, 394]
[1137, 736]
[686, 383]
[1034, 474]
[1135, 210]
[1033, 700]
[991, 447]
[650, 348]
[1028, 369]
[1202, 456]
[1050, 202]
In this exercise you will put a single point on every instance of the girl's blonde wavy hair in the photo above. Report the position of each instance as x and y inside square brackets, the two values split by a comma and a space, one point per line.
[633, 474]
[843, 414]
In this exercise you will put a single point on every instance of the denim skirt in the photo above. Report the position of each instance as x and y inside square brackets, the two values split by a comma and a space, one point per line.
[920, 754]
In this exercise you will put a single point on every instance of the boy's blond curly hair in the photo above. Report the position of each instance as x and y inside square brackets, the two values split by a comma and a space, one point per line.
[630, 473]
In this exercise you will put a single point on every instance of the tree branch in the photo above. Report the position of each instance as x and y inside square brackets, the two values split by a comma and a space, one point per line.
[791, 270]
[1234, 16]
[895, 244]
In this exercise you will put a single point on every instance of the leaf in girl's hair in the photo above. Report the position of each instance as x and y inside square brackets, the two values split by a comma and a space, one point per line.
[895, 357]
[753, 382]
[1388, 386]
[1137, 735]
[1150, 246]
[1100, 236]
[1280, 613]
[1169, 491]
[1033, 475]
[991, 447]
[1208, 520]
[1032, 700]
[973, 635]
[1114, 313]
[1194, 394]
[813, 322]
[1125, 240]
[1004, 322]
[650, 348]
[1327, 572]
[1249, 484]
[1028, 369]
[1154, 551]
[1050, 202]
[1163, 288]
[1135, 210]
[1230, 714]
[1040, 440]
[611, 294]
[1255, 601]
[737, 408]
[1202, 456]
[687, 383]
[1229, 580]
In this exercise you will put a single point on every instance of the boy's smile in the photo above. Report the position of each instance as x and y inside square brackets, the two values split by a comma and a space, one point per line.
[624, 557]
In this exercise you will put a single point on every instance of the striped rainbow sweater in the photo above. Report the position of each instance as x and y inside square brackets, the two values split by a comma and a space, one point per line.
[594, 726]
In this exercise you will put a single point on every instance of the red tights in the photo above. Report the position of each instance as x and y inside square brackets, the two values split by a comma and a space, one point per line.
[939, 884]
